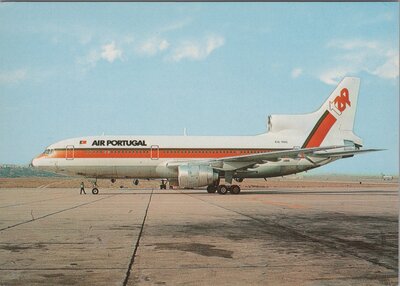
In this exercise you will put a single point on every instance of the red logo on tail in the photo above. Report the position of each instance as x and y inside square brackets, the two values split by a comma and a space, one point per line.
[340, 102]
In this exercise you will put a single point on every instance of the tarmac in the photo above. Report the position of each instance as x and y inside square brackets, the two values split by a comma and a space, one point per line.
[52, 236]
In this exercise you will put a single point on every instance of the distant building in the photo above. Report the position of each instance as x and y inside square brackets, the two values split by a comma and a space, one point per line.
[387, 177]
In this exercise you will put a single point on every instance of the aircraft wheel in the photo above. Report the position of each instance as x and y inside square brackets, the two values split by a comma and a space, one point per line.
[95, 191]
[222, 189]
[235, 189]
[211, 189]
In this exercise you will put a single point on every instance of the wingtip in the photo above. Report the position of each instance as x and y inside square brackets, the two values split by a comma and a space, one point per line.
[373, 150]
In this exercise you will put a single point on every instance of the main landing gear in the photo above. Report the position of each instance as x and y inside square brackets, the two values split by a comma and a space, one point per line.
[211, 189]
[223, 189]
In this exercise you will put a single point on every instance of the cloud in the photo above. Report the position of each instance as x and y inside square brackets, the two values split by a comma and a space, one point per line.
[385, 17]
[176, 25]
[352, 44]
[92, 58]
[296, 72]
[13, 77]
[333, 76]
[152, 46]
[187, 49]
[359, 55]
[390, 69]
[110, 52]
[196, 50]
[85, 38]
[128, 39]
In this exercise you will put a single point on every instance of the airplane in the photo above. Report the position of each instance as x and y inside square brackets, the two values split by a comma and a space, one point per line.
[292, 144]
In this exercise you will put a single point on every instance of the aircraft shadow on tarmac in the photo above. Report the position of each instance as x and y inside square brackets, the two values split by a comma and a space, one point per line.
[336, 192]
[260, 192]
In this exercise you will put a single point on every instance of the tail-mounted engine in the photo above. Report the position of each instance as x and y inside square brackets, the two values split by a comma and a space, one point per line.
[193, 176]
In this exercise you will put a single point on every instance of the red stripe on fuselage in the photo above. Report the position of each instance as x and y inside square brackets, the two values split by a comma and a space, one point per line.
[147, 153]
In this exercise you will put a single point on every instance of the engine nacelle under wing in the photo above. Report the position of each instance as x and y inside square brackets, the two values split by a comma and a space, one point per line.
[193, 176]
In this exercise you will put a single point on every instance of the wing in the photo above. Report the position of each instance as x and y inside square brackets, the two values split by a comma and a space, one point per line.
[343, 153]
[246, 161]
[276, 155]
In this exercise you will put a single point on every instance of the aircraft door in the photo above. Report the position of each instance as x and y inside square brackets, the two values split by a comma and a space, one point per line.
[69, 152]
[154, 152]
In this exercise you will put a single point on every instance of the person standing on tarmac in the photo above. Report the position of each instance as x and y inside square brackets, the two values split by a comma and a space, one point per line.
[82, 189]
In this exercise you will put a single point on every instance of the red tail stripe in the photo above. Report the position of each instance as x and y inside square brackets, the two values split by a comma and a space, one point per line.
[321, 132]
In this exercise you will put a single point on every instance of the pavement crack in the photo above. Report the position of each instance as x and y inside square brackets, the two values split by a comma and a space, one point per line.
[32, 202]
[53, 213]
[132, 260]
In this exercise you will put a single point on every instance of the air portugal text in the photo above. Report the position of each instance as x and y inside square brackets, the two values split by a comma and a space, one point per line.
[119, 143]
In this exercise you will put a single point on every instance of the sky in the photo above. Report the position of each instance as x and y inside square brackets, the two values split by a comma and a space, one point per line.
[79, 69]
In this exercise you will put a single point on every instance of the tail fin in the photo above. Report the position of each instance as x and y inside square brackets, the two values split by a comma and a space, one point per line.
[331, 124]
[342, 103]
[336, 116]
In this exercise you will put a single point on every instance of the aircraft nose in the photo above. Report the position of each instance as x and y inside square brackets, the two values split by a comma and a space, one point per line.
[34, 163]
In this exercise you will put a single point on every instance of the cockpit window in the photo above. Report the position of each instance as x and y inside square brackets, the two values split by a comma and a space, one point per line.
[48, 151]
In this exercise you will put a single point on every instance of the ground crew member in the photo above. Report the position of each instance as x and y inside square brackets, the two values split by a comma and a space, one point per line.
[82, 189]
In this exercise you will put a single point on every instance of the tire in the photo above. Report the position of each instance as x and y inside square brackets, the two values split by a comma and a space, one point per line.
[222, 189]
[95, 191]
[235, 189]
[211, 189]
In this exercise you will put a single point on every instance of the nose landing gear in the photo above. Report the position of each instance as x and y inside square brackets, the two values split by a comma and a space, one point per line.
[95, 190]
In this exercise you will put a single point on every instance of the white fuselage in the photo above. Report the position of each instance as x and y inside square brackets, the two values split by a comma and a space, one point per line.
[149, 156]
